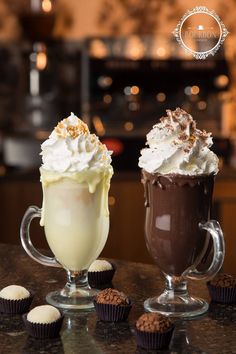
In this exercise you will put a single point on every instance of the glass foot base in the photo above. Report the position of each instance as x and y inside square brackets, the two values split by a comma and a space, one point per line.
[80, 299]
[176, 306]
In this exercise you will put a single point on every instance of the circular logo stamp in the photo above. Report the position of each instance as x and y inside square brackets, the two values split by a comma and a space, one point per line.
[200, 32]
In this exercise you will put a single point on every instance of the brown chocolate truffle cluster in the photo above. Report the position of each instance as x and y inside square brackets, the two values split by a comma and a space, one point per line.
[112, 296]
[224, 280]
[153, 322]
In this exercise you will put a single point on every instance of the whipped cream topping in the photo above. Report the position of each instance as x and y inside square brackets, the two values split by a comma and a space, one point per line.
[71, 148]
[176, 146]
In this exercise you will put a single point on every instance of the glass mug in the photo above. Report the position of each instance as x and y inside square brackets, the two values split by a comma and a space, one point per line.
[177, 231]
[76, 225]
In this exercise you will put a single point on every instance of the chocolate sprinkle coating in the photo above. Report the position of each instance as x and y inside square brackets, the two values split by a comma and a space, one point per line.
[153, 322]
[112, 296]
[224, 280]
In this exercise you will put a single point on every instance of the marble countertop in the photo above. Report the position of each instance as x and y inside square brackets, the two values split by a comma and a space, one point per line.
[82, 333]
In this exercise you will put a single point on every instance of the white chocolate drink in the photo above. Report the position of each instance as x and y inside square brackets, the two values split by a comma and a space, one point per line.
[75, 176]
[76, 222]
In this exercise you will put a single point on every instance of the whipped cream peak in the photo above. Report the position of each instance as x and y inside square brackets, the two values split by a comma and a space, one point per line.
[176, 146]
[71, 148]
[71, 127]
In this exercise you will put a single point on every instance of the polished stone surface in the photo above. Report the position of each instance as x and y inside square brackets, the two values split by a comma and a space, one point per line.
[82, 333]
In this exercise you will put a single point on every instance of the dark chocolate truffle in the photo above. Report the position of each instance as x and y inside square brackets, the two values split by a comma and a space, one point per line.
[222, 288]
[112, 297]
[153, 331]
[112, 305]
[153, 322]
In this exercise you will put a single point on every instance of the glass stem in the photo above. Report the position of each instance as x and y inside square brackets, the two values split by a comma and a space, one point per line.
[76, 280]
[176, 286]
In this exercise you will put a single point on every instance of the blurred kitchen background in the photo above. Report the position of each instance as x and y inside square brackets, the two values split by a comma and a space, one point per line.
[116, 64]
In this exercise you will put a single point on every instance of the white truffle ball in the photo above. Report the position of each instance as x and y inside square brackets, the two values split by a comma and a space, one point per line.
[100, 265]
[43, 314]
[14, 292]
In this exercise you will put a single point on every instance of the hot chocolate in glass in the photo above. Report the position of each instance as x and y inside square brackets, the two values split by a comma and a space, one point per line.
[178, 172]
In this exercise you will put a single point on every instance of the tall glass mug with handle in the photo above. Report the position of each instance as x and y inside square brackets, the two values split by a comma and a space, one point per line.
[178, 171]
[75, 178]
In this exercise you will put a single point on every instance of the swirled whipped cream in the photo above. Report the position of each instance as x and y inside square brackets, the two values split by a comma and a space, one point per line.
[71, 148]
[176, 146]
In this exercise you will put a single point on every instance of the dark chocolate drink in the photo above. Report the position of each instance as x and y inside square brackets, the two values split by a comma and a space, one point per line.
[178, 171]
[175, 205]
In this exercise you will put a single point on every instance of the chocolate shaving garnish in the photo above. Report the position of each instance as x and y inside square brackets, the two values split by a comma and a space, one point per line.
[183, 126]
[179, 115]
[183, 137]
[162, 120]
[169, 127]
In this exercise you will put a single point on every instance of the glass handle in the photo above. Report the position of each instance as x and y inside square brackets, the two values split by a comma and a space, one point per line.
[214, 229]
[31, 213]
